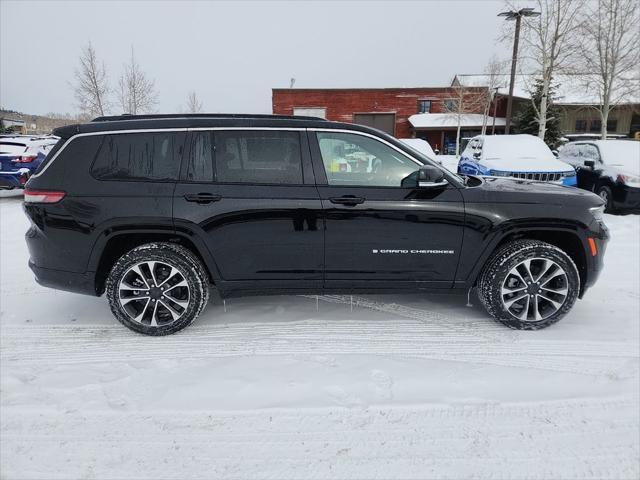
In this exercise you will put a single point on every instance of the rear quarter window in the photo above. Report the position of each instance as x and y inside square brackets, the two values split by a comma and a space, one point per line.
[138, 156]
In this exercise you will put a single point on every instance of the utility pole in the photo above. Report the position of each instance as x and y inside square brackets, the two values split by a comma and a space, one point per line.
[517, 16]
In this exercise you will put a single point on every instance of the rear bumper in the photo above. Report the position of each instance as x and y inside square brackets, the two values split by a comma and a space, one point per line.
[61, 280]
[16, 179]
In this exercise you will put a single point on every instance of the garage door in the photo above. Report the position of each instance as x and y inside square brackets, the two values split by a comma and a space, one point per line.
[382, 121]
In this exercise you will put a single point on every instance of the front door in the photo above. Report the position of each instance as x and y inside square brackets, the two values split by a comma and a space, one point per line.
[251, 195]
[381, 230]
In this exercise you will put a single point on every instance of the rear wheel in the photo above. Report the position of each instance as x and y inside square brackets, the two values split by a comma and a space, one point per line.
[529, 284]
[157, 288]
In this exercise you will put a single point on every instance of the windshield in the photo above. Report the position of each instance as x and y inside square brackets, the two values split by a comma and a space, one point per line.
[12, 148]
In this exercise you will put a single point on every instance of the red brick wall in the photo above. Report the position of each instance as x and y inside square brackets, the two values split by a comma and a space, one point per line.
[341, 104]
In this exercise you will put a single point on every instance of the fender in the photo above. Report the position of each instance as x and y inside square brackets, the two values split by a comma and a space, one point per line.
[510, 230]
[151, 228]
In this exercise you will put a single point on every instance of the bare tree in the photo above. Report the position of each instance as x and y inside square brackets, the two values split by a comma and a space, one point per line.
[194, 105]
[465, 100]
[549, 45]
[610, 53]
[494, 80]
[136, 92]
[91, 87]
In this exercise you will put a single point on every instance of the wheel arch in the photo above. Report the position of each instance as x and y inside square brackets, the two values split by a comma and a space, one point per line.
[566, 239]
[112, 244]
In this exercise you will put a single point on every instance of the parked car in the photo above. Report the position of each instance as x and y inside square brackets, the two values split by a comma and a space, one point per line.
[20, 156]
[422, 146]
[518, 156]
[610, 168]
[154, 210]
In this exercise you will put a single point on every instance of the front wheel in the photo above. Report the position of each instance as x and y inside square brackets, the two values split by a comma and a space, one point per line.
[157, 288]
[606, 195]
[529, 284]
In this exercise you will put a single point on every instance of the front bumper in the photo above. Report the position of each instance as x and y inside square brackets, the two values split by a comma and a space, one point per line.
[599, 234]
[626, 198]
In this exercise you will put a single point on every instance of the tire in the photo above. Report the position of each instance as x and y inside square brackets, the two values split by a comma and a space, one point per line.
[606, 194]
[165, 301]
[552, 291]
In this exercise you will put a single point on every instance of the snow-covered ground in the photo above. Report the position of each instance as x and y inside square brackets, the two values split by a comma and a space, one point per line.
[402, 386]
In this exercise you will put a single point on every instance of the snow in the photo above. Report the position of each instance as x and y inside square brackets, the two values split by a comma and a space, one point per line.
[420, 145]
[376, 386]
[569, 89]
[624, 154]
[450, 120]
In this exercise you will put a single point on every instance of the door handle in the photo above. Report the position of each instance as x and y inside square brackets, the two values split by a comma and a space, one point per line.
[202, 198]
[348, 200]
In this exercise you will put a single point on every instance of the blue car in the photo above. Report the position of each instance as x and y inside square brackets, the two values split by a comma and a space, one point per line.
[523, 157]
[20, 157]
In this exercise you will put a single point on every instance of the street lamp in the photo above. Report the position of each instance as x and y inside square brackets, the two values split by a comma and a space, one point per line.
[517, 16]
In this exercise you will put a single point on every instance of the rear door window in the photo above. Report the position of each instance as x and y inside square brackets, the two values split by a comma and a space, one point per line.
[250, 156]
[138, 156]
[245, 156]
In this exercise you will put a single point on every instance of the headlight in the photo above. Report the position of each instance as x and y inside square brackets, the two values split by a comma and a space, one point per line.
[571, 173]
[629, 180]
[498, 173]
[597, 212]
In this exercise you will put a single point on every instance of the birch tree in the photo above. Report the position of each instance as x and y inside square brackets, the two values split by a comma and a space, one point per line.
[91, 86]
[494, 80]
[549, 45]
[194, 105]
[465, 100]
[610, 53]
[136, 93]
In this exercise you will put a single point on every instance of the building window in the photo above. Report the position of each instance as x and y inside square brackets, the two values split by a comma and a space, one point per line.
[612, 125]
[424, 106]
[596, 126]
[581, 125]
[451, 105]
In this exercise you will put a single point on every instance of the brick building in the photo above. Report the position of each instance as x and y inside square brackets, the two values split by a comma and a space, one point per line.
[402, 112]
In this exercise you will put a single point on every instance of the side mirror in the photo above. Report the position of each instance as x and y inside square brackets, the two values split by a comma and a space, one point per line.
[555, 153]
[589, 164]
[430, 176]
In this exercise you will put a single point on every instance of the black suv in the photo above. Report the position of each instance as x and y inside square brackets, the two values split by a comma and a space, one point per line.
[153, 210]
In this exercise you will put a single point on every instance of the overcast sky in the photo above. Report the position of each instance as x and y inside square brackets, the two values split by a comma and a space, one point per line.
[233, 53]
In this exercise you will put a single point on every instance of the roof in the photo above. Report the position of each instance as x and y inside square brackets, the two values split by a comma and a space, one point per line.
[450, 120]
[570, 89]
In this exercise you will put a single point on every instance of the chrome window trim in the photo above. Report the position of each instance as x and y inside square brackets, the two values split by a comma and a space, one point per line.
[203, 129]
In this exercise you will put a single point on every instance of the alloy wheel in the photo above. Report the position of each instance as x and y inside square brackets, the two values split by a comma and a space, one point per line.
[154, 293]
[534, 289]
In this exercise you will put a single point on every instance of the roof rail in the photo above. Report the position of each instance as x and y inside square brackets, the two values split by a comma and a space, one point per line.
[156, 116]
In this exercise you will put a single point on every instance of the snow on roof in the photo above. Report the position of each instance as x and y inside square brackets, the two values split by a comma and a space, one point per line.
[569, 88]
[450, 120]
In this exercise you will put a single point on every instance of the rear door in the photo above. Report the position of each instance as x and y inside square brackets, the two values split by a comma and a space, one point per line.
[381, 230]
[250, 194]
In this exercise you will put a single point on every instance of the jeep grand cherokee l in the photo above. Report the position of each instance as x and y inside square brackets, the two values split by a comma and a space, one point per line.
[154, 210]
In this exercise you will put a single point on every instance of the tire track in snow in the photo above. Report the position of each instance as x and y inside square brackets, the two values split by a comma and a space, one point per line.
[406, 338]
[587, 438]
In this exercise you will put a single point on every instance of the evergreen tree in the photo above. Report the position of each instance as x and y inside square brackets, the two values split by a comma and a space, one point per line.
[526, 120]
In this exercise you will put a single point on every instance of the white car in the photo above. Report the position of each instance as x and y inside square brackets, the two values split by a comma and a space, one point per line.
[422, 146]
[518, 156]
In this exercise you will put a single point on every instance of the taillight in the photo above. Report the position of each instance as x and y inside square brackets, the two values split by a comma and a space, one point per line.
[25, 159]
[43, 196]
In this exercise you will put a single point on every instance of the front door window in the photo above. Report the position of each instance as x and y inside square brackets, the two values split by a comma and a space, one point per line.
[357, 160]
